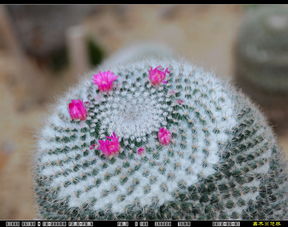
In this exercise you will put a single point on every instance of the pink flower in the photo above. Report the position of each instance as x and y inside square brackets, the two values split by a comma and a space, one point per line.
[180, 101]
[172, 92]
[86, 104]
[77, 109]
[140, 150]
[164, 136]
[109, 147]
[157, 76]
[104, 80]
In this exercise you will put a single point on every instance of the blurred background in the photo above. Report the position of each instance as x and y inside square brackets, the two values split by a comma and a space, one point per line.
[44, 49]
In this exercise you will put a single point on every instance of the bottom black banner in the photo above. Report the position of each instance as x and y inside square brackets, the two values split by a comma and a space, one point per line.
[43, 223]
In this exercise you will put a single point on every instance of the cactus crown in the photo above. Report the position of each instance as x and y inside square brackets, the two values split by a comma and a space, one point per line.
[220, 149]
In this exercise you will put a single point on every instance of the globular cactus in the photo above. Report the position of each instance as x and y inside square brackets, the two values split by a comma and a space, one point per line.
[140, 141]
[261, 60]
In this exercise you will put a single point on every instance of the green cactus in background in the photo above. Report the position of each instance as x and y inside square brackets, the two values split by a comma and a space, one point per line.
[262, 49]
[261, 60]
[184, 145]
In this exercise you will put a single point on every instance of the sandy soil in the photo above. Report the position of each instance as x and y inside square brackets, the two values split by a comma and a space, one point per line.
[203, 34]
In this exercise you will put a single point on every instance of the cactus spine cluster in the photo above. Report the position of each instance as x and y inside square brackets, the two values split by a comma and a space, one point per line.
[222, 162]
[261, 60]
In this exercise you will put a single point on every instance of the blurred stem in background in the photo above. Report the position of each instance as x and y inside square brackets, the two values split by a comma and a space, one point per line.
[83, 51]
[95, 52]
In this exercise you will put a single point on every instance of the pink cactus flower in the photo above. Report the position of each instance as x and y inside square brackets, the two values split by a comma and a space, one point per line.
[172, 92]
[140, 150]
[104, 80]
[157, 76]
[77, 109]
[86, 104]
[180, 101]
[110, 146]
[164, 136]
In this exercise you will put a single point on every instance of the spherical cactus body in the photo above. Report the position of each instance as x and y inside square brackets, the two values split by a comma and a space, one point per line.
[261, 60]
[154, 140]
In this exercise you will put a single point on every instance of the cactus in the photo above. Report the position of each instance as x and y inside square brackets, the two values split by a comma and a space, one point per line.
[262, 49]
[169, 142]
[261, 60]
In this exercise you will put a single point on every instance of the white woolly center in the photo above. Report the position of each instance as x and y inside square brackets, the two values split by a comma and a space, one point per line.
[132, 116]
